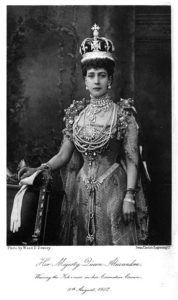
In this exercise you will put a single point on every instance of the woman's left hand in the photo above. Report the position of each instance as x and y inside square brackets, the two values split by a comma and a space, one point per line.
[128, 212]
[26, 172]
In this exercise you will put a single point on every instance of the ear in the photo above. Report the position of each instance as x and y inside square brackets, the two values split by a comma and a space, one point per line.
[85, 83]
[110, 80]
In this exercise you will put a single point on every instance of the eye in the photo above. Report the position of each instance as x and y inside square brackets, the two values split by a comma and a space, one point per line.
[90, 75]
[103, 75]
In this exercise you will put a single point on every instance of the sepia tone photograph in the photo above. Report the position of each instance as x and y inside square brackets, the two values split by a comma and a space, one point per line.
[89, 125]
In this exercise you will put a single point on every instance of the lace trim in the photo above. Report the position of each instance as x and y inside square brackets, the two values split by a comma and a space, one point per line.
[130, 142]
[125, 129]
[70, 113]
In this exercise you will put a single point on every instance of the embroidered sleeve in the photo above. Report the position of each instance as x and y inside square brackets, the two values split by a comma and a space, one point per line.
[130, 141]
[127, 129]
[70, 113]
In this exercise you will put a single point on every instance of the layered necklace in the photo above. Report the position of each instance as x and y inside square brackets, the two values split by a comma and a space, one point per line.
[88, 139]
[97, 105]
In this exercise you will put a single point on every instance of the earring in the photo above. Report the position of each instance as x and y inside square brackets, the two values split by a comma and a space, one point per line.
[86, 88]
[109, 86]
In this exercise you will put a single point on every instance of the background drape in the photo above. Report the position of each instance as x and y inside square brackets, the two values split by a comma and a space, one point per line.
[44, 76]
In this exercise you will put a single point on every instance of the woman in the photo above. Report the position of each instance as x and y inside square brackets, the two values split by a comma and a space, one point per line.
[104, 202]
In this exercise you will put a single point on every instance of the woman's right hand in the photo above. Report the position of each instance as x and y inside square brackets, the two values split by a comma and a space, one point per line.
[26, 172]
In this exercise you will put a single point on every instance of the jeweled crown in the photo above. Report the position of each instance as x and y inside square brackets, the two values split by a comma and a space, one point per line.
[96, 47]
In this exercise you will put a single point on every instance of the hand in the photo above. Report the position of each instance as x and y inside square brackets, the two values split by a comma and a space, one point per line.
[128, 212]
[26, 172]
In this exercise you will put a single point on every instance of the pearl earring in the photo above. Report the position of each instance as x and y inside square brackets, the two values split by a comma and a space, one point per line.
[109, 86]
[86, 88]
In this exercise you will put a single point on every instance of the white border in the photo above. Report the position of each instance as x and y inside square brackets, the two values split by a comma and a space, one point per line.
[159, 266]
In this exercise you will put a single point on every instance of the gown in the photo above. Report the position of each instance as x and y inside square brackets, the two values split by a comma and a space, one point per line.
[95, 179]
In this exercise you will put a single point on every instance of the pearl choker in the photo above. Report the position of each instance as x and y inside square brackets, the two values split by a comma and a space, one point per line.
[100, 101]
[97, 105]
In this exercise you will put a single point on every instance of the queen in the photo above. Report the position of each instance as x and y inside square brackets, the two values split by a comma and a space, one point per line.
[104, 202]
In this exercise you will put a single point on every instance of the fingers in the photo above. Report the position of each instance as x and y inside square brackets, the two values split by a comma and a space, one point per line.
[22, 172]
[15, 222]
[128, 212]
[126, 218]
[25, 173]
[15, 226]
[129, 217]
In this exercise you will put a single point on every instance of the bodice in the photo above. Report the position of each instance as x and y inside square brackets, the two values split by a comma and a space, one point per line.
[90, 132]
[102, 135]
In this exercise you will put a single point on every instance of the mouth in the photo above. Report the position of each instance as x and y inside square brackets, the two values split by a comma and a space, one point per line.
[97, 89]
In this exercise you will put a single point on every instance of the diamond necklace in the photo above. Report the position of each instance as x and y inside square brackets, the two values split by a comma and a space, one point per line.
[97, 105]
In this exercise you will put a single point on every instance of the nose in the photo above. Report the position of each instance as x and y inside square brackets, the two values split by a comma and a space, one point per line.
[96, 79]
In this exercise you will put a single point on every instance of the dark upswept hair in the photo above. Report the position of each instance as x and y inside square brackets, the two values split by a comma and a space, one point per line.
[98, 63]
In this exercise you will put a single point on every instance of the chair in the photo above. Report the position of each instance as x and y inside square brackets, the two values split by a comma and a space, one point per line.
[39, 215]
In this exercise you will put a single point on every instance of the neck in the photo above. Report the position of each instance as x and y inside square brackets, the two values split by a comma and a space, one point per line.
[103, 97]
[100, 101]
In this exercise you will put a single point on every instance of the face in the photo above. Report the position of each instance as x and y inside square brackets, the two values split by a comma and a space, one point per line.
[97, 81]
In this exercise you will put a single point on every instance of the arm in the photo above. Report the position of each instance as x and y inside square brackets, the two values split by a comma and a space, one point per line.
[63, 156]
[132, 172]
[67, 148]
[56, 162]
[131, 153]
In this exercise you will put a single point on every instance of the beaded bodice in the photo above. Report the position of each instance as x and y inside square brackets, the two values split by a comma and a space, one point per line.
[93, 124]
[96, 106]
[93, 128]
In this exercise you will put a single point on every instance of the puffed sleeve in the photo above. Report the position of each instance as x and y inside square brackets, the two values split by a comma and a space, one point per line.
[130, 141]
[70, 113]
[68, 129]
[127, 129]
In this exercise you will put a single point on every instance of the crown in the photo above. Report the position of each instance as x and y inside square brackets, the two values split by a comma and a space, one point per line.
[96, 47]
